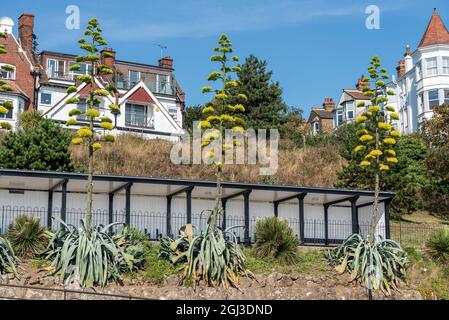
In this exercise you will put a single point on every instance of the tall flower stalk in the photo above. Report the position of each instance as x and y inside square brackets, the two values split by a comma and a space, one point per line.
[89, 135]
[221, 113]
[376, 133]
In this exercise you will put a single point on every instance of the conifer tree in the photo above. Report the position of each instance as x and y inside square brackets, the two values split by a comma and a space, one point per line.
[88, 135]
[6, 106]
[376, 134]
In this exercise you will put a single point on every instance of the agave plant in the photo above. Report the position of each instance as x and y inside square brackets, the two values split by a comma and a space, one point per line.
[91, 260]
[379, 265]
[27, 236]
[438, 246]
[132, 243]
[8, 260]
[206, 256]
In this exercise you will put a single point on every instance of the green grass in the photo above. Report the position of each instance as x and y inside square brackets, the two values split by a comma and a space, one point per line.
[430, 278]
[311, 262]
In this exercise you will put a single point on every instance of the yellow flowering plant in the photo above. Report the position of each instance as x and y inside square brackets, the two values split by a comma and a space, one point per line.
[89, 134]
[375, 130]
[5, 106]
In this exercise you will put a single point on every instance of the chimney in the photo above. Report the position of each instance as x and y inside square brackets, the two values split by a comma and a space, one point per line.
[361, 84]
[400, 68]
[109, 62]
[26, 30]
[408, 60]
[166, 62]
[328, 104]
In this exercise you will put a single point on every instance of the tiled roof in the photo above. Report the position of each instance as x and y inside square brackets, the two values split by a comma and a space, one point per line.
[324, 114]
[16, 89]
[436, 32]
[356, 94]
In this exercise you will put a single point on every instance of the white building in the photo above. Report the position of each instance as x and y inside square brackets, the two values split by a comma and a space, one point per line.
[423, 77]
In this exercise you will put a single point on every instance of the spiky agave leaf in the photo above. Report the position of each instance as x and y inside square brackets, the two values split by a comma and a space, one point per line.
[8, 259]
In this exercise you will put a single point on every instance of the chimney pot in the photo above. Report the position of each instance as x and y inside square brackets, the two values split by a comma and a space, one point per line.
[328, 104]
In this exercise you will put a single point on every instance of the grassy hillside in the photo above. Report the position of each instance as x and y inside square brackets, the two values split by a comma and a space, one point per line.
[130, 155]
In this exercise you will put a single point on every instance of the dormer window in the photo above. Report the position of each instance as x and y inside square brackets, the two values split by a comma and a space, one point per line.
[7, 71]
[134, 77]
[432, 68]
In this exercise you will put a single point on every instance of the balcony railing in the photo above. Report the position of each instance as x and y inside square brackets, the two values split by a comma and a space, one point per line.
[151, 81]
[60, 75]
[140, 123]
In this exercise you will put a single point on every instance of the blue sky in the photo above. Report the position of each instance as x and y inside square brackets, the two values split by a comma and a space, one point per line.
[315, 48]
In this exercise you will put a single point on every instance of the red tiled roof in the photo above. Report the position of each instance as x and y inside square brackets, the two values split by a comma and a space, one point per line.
[324, 114]
[356, 94]
[436, 32]
[16, 88]
[141, 95]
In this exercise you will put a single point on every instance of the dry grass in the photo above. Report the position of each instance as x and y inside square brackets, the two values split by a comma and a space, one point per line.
[134, 156]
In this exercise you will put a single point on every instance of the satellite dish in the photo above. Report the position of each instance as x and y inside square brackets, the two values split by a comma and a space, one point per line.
[6, 24]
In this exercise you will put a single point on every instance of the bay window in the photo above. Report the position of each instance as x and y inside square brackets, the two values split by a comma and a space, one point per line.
[9, 114]
[432, 68]
[445, 65]
[446, 96]
[434, 100]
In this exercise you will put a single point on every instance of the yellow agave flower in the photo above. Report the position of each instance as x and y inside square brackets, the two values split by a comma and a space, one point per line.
[238, 129]
[383, 167]
[205, 125]
[389, 141]
[107, 125]
[211, 135]
[361, 119]
[394, 116]
[359, 148]
[208, 110]
[366, 137]
[84, 132]
[361, 132]
[392, 159]
[374, 108]
[391, 152]
[365, 163]
[96, 146]
[77, 141]
[92, 112]
[395, 133]
[376, 153]
[385, 126]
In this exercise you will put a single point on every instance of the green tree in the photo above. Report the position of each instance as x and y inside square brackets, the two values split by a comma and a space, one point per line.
[5, 106]
[265, 107]
[191, 114]
[406, 178]
[435, 134]
[44, 145]
[87, 135]
[376, 135]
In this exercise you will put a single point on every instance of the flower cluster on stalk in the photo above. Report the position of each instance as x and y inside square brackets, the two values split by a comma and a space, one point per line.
[375, 129]
[87, 134]
[5, 106]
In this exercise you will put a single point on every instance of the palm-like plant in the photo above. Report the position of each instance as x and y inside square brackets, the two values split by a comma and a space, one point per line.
[275, 238]
[378, 266]
[438, 246]
[27, 236]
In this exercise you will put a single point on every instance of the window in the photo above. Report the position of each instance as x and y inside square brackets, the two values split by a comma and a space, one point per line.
[9, 74]
[85, 68]
[420, 103]
[339, 117]
[445, 65]
[82, 106]
[56, 68]
[434, 101]
[163, 84]
[134, 77]
[46, 98]
[135, 115]
[350, 110]
[315, 127]
[419, 71]
[9, 114]
[431, 67]
[173, 112]
[446, 96]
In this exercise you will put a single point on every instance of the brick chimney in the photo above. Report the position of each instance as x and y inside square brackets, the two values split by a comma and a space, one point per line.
[328, 104]
[166, 62]
[26, 30]
[361, 84]
[400, 68]
[108, 61]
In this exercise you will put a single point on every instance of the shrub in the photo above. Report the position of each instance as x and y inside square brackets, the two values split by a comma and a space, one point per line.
[274, 237]
[27, 236]
[92, 260]
[438, 246]
[385, 270]
[8, 259]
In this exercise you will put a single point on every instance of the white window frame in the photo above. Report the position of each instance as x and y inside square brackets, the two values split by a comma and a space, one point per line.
[446, 96]
[433, 100]
[420, 102]
[73, 74]
[419, 71]
[433, 70]
[148, 116]
[445, 67]
[315, 127]
[129, 77]
[350, 106]
[51, 98]
[8, 73]
[167, 84]
[63, 75]
[5, 116]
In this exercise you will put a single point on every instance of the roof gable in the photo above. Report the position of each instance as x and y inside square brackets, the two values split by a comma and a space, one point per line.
[436, 32]
[140, 95]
